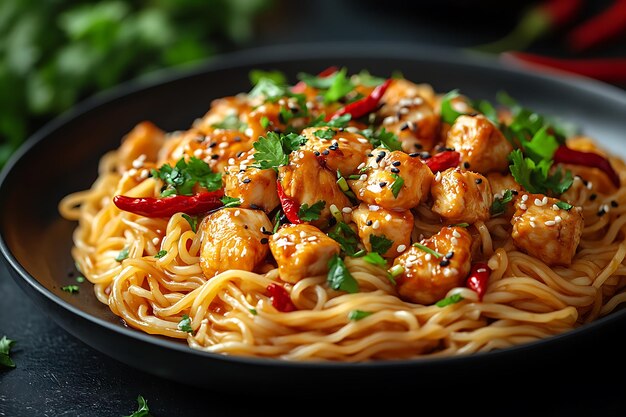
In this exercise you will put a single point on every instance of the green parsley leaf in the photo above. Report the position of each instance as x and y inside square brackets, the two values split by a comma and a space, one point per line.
[341, 85]
[193, 222]
[230, 201]
[357, 315]
[428, 250]
[448, 113]
[160, 254]
[71, 289]
[292, 142]
[231, 122]
[314, 81]
[488, 110]
[123, 254]
[382, 138]
[185, 175]
[374, 258]
[185, 324]
[326, 134]
[80, 280]
[275, 76]
[346, 237]
[541, 146]
[270, 89]
[253, 311]
[5, 349]
[535, 177]
[337, 122]
[397, 184]
[142, 408]
[563, 205]
[380, 244]
[339, 278]
[309, 214]
[366, 79]
[499, 204]
[453, 299]
[269, 152]
[265, 122]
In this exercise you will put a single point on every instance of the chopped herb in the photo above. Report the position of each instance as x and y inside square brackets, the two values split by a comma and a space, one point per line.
[535, 177]
[488, 110]
[448, 113]
[499, 204]
[142, 408]
[123, 254]
[265, 122]
[80, 279]
[428, 250]
[269, 88]
[276, 77]
[185, 324]
[366, 79]
[277, 220]
[461, 225]
[397, 184]
[357, 315]
[160, 254]
[341, 85]
[5, 349]
[230, 201]
[231, 122]
[71, 289]
[309, 214]
[563, 205]
[272, 151]
[325, 133]
[346, 237]
[453, 299]
[339, 278]
[374, 258]
[396, 270]
[382, 138]
[182, 178]
[337, 122]
[193, 222]
[380, 244]
[253, 311]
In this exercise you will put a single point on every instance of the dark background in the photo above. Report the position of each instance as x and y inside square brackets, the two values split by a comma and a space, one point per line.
[57, 375]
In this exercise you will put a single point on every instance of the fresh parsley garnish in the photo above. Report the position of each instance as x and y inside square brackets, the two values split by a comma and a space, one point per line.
[325, 133]
[448, 113]
[312, 213]
[339, 278]
[374, 258]
[80, 279]
[428, 250]
[341, 85]
[499, 204]
[347, 238]
[563, 205]
[5, 350]
[272, 151]
[269, 88]
[541, 147]
[382, 138]
[123, 254]
[536, 177]
[357, 315]
[231, 122]
[277, 77]
[380, 244]
[265, 122]
[366, 79]
[486, 108]
[337, 122]
[453, 299]
[181, 178]
[185, 324]
[230, 201]
[397, 184]
[160, 254]
[71, 289]
[193, 222]
[142, 408]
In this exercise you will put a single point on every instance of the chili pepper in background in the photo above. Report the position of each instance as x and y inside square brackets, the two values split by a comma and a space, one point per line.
[364, 106]
[290, 207]
[478, 278]
[168, 206]
[536, 22]
[280, 298]
[612, 70]
[443, 160]
[301, 85]
[566, 155]
[603, 27]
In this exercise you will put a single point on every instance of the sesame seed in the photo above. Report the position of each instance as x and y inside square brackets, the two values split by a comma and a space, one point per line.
[466, 165]
[369, 223]
[390, 120]
[302, 234]
[532, 224]
[558, 219]
[405, 126]
[237, 213]
[479, 180]
[538, 202]
[382, 184]
[316, 153]
[326, 152]
[264, 240]
[428, 257]
[523, 206]
[212, 144]
[454, 241]
[401, 248]
[444, 262]
[456, 234]
[197, 153]
[614, 203]
[132, 172]
[155, 240]
[593, 197]
[438, 176]
[414, 154]
[524, 198]
[363, 177]
[361, 140]
[376, 225]
[550, 223]
[555, 207]
[347, 210]
[311, 238]
[424, 155]
[589, 185]
[532, 219]
[544, 200]
[361, 165]
[246, 180]
[481, 270]
[374, 207]
[395, 170]
[388, 217]
[380, 156]
[449, 255]
[223, 145]
[231, 161]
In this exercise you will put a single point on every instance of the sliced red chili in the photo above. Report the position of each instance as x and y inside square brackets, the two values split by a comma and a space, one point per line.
[168, 206]
[566, 155]
[443, 160]
[280, 298]
[290, 207]
[605, 26]
[364, 106]
[478, 278]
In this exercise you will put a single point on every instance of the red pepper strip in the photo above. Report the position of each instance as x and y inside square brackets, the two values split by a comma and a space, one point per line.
[565, 155]
[290, 207]
[478, 278]
[280, 298]
[612, 70]
[604, 27]
[301, 85]
[365, 105]
[443, 160]
[168, 206]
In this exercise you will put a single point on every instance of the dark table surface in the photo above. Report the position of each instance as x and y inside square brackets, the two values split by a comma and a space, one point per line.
[58, 375]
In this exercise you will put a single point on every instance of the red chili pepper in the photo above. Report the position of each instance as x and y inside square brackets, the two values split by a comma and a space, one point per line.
[365, 105]
[168, 206]
[280, 298]
[612, 70]
[290, 207]
[478, 278]
[301, 85]
[566, 155]
[603, 27]
[443, 160]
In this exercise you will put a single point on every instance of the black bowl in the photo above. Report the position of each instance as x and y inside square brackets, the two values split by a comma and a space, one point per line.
[62, 158]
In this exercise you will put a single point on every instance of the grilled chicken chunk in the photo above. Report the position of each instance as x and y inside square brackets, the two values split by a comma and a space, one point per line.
[341, 151]
[461, 196]
[256, 188]
[301, 251]
[426, 278]
[544, 230]
[141, 144]
[393, 225]
[232, 238]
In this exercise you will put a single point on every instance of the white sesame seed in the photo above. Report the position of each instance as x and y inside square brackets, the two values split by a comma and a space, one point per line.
[311, 238]
[155, 241]
[417, 101]
[132, 172]
[363, 177]
[438, 176]
[401, 248]
[361, 165]
[589, 185]
[390, 120]
[223, 145]
[404, 102]
[237, 213]
[532, 224]
[374, 208]
[523, 206]
[454, 241]
[544, 200]
[382, 164]
[242, 167]
[555, 207]
[524, 198]
[403, 110]
[550, 223]
[496, 196]
[343, 140]
[456, 234]
[347, 210]
[558, 219]
[532, 219]
[428, 257]
[362, 140]
[538, 202]
[374, 164]
[352, 129]
[376, 225]
[231, 161]
[198, 152]
[388, 217]
[302, 234]
[143, 174]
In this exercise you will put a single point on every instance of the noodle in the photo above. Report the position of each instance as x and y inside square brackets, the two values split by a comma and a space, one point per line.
[232, 312]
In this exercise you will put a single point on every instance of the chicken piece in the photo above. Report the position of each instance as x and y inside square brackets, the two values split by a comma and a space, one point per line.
[378, 186]
[426, 278]
[301, 251]
[305, 181]
[461, 196]
[256, 188]
[141, 144]
[544, 230]
[393, 225]
[480, 143]
[278, 116]
[224, 111]
[338, 149]
[499, 183]
[233, 238]
[408, 112]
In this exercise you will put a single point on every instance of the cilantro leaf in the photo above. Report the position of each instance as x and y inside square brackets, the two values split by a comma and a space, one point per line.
[160, 254]
[326, 134]
[185, 324]
[535, 177]
[428, 250]
[397, 184]
[563, 205]
[123, 254]
[292, 142]
[277, 77]
[541, 146]
[269, 88]
[347, 238]
[315, 81]
[71, 289]
[272, 151]
[142, 408]
[231, 122]
[374, 258]
[265, 122]
[309, 214]
[380, 244]
[499, 204]
[382, 138]
[341, 85]
[339, 278]
[453, 299]
[338, 122]
[193, 222]
[181, 178]
[486, 108]
[366, 79]
[357, 315]
[5, 349]
[230, 201]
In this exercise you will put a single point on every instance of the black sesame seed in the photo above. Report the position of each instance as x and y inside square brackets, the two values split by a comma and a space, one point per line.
[369, 223]
[479, 180]
[414, 155]
[425, 155]
[473, 114]
[601, 212]
[418, 146]
[449, 255]
[449, 149]
[246, 180]
[395, 170]
[614, 203]
[382, 183]
[316, 153]
[404, 126]
[341, 129]
[397, 163]
[332, 147]
[370, 155]
[444, 262]
[215, 156]
[514, 192]
[237, 138]
[326, 152]
[466, 165]
[593, 197]
[264, 240]
[245, 226]
[242, 170]
[240, 153]
[212, 144]
[255, 207]
[585, 183]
